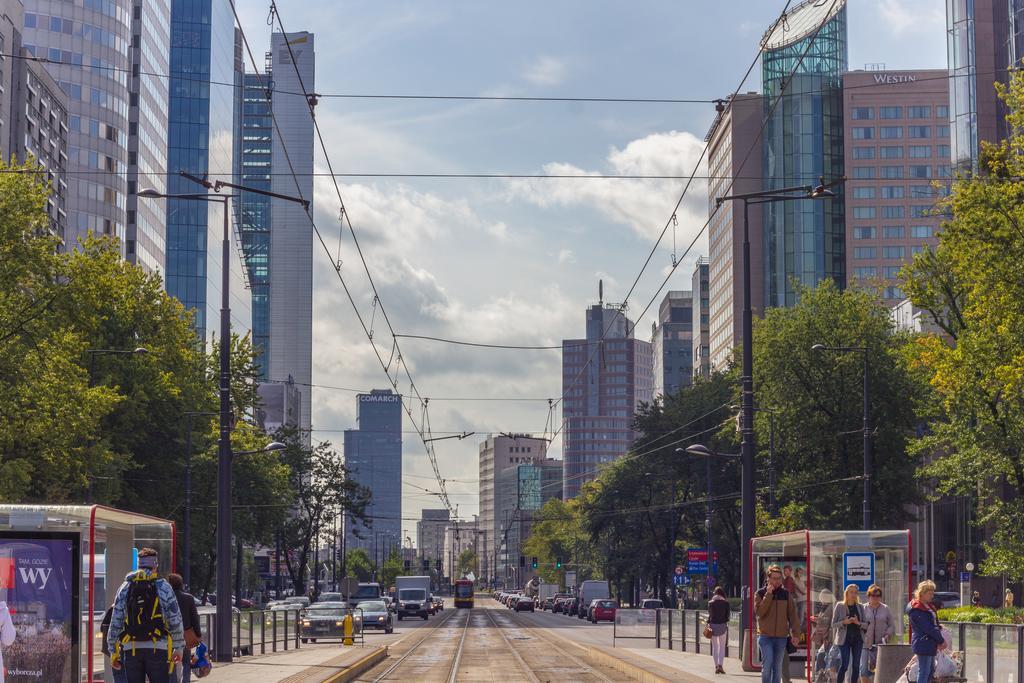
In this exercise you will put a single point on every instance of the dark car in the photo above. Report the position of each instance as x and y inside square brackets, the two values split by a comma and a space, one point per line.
[574, 607]
[944, 599]
[524, 604]
[375, 615]
[438, 603]
[324, 620]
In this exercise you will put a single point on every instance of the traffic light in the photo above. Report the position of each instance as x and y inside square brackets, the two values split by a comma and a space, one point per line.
[558, 563]
[534, 562]
[407, 565]
[438, 564]
[522, 560]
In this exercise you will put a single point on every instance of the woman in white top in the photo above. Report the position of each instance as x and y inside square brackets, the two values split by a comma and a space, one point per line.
[881, 627]
[7, 634]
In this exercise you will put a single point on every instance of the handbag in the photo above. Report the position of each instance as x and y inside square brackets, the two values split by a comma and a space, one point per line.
[707, 630]
[191, 639]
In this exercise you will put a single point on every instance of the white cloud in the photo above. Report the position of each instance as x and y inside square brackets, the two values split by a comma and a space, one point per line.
[565, 256]
[903, 16]
[546, 71]
[643, 205]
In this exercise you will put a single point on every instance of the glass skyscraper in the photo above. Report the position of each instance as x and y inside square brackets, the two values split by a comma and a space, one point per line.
[984, 38]
[803, 141]
[672, 343]
[201, 142]
[373, 455]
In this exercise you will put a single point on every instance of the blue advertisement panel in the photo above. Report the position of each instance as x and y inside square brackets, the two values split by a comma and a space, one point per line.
[39, 580]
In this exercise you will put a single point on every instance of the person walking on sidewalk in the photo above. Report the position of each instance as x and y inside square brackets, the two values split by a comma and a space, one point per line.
[777, 622]
[925, 636]
[145, 636]
[849, 622]
[718, 621]
[881, 627]
[189, 624]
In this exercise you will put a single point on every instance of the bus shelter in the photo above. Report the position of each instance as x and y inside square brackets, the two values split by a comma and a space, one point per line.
[818, 565]
[59, 568]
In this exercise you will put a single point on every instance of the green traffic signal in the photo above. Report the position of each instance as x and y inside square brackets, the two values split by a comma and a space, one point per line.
[558, 563]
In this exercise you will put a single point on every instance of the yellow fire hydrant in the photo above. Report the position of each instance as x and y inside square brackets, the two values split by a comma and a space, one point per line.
[346, 629]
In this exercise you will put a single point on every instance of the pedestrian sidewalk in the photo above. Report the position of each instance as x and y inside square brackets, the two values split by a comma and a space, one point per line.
[664, 666]
[306, 665]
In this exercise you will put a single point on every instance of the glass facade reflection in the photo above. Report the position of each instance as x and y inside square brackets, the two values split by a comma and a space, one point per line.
[201, 142]
[804, 241]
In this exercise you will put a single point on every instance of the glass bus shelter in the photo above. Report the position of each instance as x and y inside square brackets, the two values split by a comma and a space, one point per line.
[59, 568]
[818, 565]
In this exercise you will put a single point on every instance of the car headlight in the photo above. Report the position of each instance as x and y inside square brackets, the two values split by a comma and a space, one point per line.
[338, 623]
[305, 622]
[380, 618]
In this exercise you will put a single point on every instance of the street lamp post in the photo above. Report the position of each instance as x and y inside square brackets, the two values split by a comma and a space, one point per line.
[708, 454]
[270, 447]
[866, 503]
[223, 648]
[747, 416]
[186, 521]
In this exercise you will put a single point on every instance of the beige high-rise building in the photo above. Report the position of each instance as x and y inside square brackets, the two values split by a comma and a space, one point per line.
[498, 452]
[734, 163]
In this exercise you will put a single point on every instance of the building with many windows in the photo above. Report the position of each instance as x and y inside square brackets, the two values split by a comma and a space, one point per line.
[430, 531]
[459, 537]
[897, 149]
[373, 456]
[700, 290]
[87, 48]
[520, 491]
[201, 125]
[672, 343]
[497, 453]
[605, 377]
[804, 240]
[734, 167]
[276, 234]
[984, 39]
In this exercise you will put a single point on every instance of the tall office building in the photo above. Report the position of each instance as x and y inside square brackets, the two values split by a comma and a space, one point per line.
[984, 38]
[88, 48]
[373, 455]
[605, 377]
[276, 236]
[734, 164]
[496, 454]
[201, 121]
[33, 114]
[430, 531]
[803, 141]
[520, 491]
[148, 98]
[459, 538]
[672, 343]
[700, 291]
[897, 145]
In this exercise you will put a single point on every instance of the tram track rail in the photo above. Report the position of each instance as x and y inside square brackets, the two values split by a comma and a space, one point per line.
[552, 641]
[431, 632]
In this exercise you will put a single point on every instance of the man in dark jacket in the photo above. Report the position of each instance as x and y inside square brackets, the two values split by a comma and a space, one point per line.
[189, 620]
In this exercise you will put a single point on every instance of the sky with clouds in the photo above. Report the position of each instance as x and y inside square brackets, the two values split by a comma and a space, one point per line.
[517, 261]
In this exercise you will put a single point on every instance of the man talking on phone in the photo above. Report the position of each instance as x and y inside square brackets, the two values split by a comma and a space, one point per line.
[777, 622]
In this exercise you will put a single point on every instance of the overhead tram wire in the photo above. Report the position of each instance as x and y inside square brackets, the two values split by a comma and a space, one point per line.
[460, 98]
[386, 366]
[661, 236]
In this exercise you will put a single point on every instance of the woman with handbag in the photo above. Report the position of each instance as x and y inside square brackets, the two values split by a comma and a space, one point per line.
[848, 624]
[881, 627]
[718, 627]
[189, 624]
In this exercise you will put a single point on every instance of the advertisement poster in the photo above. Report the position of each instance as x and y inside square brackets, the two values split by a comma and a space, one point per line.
[39, 581]
[794, 580]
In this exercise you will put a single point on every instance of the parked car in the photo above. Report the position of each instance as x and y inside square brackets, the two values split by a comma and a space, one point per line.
[300, 600]
[375, 614]
[556, 605]
[329, 597]
[438, 603]
[602, 610]
[524, 604]
[574, 607]
[946, 599]
[651, 603]
[324, 620]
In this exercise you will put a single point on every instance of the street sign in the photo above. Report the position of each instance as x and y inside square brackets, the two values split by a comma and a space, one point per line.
[965, 577]
[859, 569]
[570, 578]
[697, 561]
[679, 570]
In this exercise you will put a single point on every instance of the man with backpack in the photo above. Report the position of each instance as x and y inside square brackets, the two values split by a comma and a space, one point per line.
[146, 636]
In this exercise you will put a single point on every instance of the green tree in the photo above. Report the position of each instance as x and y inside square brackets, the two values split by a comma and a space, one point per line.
[467, 562]
[358, 564]
[816, 396]
[392, 567]
[975, 445]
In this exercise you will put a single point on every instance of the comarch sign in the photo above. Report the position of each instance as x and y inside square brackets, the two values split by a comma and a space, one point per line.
[379, 398]
[893, 78]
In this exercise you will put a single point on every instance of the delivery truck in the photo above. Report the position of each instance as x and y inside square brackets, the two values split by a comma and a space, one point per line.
[413, 593]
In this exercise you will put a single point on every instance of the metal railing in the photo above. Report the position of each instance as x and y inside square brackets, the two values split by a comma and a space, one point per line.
[256, 631]
[993, 653]
[672, 629]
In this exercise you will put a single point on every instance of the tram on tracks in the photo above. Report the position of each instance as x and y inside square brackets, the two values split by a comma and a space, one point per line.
[463, 593]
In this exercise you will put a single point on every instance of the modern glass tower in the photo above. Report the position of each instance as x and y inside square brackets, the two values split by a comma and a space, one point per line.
[201, 141]
[801, 69]
[373, 455]
[984, 38]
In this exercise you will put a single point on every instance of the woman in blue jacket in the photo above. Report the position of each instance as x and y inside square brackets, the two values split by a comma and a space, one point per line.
[926, 637]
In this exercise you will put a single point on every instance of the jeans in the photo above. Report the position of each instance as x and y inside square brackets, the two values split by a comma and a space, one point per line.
[184, 669]
[850, 652]
[718, 648]
[926, 665]
[146, 663]
[773, 650]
